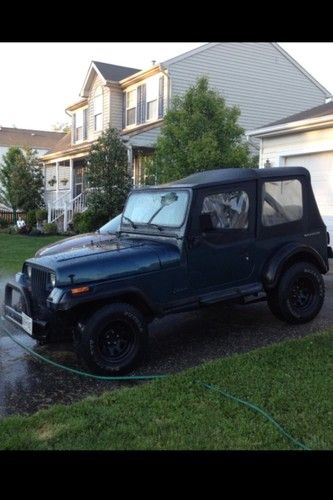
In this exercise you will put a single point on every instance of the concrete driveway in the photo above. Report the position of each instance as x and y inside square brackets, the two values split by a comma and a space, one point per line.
[177, 342]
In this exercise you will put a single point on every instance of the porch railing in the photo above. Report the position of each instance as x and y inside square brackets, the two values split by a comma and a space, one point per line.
[62, 210]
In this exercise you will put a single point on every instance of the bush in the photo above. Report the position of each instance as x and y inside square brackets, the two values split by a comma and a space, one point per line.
[35, 232]
[3, 223]
[41, 214]
[50, 228]
[89, 221]
[30, 218]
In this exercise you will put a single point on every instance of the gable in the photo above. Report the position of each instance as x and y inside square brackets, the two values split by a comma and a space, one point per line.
[258, 77]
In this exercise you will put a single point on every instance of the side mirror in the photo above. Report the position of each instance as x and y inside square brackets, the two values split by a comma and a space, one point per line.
[206, 222]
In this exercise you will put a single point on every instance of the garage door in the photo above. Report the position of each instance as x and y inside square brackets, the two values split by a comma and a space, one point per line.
[320, 166]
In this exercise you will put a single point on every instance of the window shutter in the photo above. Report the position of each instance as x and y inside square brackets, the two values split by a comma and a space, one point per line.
[161, 97]
[143, 103]
[85, 123]
[124, 109]
[139, 105]
[73, 129]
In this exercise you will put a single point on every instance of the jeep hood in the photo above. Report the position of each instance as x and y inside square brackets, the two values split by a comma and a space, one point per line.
[109, 260]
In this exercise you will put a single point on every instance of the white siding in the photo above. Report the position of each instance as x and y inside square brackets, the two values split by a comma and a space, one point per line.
[275, 149]
[50, 173]
[255, 76]
[4, 149]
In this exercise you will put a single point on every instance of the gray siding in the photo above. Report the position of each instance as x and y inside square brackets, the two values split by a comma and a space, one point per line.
[255, 76]
[147, 138]
[116, 107]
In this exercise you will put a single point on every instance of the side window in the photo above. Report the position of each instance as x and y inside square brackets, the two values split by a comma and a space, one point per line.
[281, 202]
[229, 210]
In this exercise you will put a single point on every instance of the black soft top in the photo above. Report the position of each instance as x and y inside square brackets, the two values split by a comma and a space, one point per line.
[228, 175]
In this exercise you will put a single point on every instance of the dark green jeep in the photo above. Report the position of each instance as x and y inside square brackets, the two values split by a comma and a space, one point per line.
[238, 235]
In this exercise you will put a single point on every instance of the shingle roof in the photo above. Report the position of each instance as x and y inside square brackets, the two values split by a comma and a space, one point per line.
[36, 139]
[322, 110]
[114, 72]
[63, 144]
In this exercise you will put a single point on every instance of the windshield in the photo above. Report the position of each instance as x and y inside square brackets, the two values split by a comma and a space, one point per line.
[112, 226]
[156, 208]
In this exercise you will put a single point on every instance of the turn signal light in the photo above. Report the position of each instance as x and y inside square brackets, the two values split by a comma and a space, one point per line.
[79, 290]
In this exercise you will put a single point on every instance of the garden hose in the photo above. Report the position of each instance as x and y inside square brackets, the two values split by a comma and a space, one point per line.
[210, 387]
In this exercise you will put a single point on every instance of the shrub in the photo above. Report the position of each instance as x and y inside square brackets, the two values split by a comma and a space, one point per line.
[35, 232]
[89, 221]
[50, 228]
[41, 214]
[30, 218]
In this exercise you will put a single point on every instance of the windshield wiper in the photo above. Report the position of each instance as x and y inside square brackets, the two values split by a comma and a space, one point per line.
[130, 221]
[155, 225]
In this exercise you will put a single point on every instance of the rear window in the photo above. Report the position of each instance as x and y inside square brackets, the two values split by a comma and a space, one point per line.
[282, 202]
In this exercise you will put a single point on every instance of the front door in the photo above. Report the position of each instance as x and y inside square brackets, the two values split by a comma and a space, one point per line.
[79, 179]
[223, 254]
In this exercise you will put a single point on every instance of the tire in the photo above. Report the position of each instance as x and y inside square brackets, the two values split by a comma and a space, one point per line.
[299, 295]
[114, 340]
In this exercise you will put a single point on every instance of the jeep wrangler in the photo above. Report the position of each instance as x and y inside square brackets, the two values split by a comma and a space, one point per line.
[237, 234]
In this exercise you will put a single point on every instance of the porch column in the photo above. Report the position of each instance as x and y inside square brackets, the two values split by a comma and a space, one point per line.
[130, 162]
[57, 177]
[71, 179]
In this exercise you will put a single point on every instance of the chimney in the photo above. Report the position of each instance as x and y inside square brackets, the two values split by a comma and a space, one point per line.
[153, 62]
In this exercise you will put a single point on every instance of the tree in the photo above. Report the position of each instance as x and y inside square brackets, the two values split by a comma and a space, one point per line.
[21, 180]
[200, 132]
[107, 173]
[61, 127]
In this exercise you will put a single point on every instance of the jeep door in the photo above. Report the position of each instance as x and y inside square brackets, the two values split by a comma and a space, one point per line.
[222, 253]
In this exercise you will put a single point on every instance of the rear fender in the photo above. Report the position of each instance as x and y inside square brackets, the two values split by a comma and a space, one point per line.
[287, 255]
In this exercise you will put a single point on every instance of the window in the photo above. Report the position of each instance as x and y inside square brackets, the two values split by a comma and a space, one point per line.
[229, 210]
[282, 202]
[131, 108]
[98, 109]
[152, 98]
[79, 125]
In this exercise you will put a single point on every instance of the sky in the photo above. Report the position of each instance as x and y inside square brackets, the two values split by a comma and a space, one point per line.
[39, 80]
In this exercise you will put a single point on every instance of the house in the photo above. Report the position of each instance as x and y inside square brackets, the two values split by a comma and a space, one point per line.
[261, 78]
[303, 139]
[41, 141]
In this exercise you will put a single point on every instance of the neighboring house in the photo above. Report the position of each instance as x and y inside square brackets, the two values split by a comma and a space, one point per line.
[39, 140]
[261, 78]
[304, 139]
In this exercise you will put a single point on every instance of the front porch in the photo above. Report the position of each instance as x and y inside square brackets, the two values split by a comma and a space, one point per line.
[65, 190]
[66, 183]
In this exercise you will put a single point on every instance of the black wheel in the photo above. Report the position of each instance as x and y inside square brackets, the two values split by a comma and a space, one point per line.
[114, 340]
[299, 295]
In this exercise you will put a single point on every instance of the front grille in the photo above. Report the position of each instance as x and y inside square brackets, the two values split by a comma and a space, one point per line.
[39, 285]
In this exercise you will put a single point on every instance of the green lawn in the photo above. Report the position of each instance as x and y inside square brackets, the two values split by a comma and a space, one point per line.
[292, 380]
[14, 249]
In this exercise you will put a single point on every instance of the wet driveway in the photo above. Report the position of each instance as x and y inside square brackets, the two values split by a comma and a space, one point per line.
[176, 342]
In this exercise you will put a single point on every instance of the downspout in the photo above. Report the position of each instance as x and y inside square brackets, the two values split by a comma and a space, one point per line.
[166, 73]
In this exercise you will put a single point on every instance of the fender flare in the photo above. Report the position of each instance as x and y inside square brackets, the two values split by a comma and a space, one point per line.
[273, 268]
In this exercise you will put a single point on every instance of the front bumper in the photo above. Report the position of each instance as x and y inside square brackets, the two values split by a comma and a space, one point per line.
[20, 313]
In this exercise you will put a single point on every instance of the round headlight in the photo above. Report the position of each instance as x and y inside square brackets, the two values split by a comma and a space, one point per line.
[53, 279]
[29, 270]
